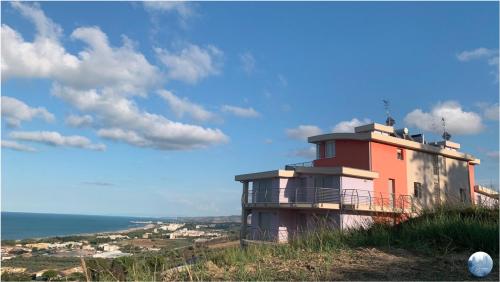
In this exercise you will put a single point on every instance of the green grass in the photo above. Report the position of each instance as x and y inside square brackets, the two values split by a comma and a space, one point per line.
[438, 232]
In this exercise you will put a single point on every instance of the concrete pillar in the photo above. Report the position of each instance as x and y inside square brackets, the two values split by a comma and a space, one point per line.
[244, 213]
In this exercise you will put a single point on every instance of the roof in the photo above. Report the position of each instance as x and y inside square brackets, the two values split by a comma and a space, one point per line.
[404, 143]
[486, 191]
[297, 171]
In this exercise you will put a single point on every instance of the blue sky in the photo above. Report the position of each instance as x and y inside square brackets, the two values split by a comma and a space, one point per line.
[151, 109]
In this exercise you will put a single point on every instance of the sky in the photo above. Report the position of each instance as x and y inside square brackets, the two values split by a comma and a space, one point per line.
[151, 109]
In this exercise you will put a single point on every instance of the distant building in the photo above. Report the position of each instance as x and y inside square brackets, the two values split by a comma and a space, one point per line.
[146, 235]
[485, 196]
[375, 172]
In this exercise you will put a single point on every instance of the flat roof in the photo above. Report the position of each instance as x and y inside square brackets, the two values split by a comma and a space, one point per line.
[486, 191]
[340, 170]
[391, 140]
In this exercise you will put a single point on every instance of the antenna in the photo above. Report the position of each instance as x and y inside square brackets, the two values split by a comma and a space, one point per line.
[446, 135]
[389, 121]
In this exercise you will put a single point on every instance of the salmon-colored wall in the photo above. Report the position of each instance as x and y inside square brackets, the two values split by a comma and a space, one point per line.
[385, 162]
[471, 183]
[350, 153]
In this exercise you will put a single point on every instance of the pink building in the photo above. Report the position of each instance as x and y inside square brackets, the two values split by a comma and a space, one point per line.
[375, 173]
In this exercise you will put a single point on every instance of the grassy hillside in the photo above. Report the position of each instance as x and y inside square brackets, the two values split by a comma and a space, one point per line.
[433, 246]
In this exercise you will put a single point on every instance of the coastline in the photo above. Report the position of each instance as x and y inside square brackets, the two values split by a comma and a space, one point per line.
[119, 231]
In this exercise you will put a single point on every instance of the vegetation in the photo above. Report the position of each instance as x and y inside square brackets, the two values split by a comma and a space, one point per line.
[416, 249]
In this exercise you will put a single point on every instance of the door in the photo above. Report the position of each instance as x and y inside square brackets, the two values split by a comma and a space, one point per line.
[392, 193]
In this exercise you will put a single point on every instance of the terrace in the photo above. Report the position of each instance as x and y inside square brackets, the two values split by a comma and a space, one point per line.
[353, 200]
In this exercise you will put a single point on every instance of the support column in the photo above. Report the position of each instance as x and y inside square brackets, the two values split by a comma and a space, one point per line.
[244, 213]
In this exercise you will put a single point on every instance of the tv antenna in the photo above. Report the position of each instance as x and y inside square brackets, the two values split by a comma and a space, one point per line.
[446, 135]
[389, 121]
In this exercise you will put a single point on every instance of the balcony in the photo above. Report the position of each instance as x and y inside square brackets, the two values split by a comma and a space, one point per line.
[329, 198]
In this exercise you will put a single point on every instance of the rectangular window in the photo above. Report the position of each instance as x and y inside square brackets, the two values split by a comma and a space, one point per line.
[330, 149]
[436, 164]
[400, 154]
[417, 190]
[463, 196]
[318, 151]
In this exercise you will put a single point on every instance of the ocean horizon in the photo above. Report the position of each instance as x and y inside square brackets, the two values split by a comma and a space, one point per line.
[26, 225]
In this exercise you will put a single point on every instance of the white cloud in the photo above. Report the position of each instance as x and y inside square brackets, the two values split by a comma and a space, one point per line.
[306, 153]
[240, 112]
[489, 55]
[184, 9]
[79, 121]
[192, 63]
[101, 79]
[9, 144]
[303, 131]
[53, 138]
[348, 126]
[247, 62]
[475, 54]
[489, 111]
[123, 121]
[98, 65]
[182, 106]
[15, 112]
[458, 121]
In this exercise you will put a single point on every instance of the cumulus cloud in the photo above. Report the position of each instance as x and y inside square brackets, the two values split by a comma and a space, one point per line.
[475, 54]
[98, 65]
[490, 56]
[489, 111]
[192, 63]
[15, 111]
[240, 112]
[184, 9]
[247, 62]
[306, 153]
[303, 131]
[9, 144]
[348, 126]
[53, 138]
[101, 81]
[458, 121]
[182, 106]
[79, 121]
[123, 121]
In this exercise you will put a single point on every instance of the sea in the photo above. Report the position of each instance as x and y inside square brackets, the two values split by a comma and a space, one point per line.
[20, 225]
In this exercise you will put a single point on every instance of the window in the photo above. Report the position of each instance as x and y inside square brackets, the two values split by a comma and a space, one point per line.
[436, 164]
[330, 149]
[318, 151]
[463, 196]
[417, 190]
[400, 154]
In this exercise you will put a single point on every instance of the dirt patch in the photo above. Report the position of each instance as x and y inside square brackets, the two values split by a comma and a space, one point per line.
[224, 245]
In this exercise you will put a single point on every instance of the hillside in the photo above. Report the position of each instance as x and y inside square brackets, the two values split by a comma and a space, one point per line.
[433, 246]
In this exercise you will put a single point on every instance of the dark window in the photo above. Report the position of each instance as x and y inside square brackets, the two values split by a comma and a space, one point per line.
[463, 196]
[400, 154]
[417, 190]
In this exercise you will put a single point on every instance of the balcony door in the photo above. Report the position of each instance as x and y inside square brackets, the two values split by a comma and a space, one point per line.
[392, 193]
[263, 191]
[326, 189]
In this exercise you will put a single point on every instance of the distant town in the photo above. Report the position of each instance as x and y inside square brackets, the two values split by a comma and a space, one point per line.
[60, 256]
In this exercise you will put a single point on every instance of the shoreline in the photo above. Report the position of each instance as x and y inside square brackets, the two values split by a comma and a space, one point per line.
[120, 231]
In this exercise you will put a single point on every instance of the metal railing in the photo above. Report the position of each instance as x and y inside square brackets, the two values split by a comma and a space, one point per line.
[349, 199]
[311, 195]
[303, 164]
[376, 201]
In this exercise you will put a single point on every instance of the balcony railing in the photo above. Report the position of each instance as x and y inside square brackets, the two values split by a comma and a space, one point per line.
[348, 199]
[310, 195]
[303, 164]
